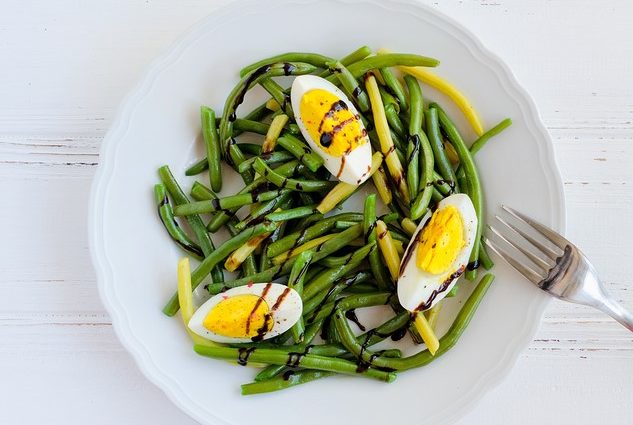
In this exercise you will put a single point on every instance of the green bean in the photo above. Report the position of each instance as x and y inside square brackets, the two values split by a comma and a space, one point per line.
[285, 182]
[355, 56]
[442, 162]
[240, 125]
[436, 196]
[396, 125]
[383, 279]
[283, 357]
[271, 371]
[364, 288]
[278, 93]
[422, 358]
[236, 97]
[358, 54]
[387, 329]
[353, 301]
[394, 85]
[262, 209]
[415, 128]
[295, 281]
[264, 260]
[200, 192]
[421, 202]
[250, 126]
[222, 217]
[388, 99]
[370, 337]
[212, 144]
[350, 85]
[305, 222]
[302, 236]
[250, 148]
[387, 60]
[214, 258]
[268, 158]
[338, 350]
[195, 222]
[291, 213]
[474, 185]
[235, 157]
[484, 258]
[341, 285]
[339, 241]
[327, 278]
[400, 147]
[171, 225]
[258, 114]
[444, 186]
[483, 139]
[390, 217]
[413, 166]
[375, 336]
[416, 113]
[314, 270]
[398, 234]
[306, 199]
[330, 334]
[290, 379]
[344, 224]
[301, 151]
[197, 167]
[313, 59]
[235, 201]
[397, 209]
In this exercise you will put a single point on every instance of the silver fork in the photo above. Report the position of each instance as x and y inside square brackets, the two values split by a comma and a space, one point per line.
[563, 272]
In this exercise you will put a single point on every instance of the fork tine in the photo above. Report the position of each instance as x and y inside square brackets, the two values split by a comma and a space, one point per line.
[533, 257]
[553, 237]
[530, 274]
[538, 245]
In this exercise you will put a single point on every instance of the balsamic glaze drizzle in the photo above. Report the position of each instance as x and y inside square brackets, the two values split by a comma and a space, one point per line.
[337, 106]
[473, 265]
[416, 146]
[259, 301]
[443, 287]
[351, 315]
[243, 354]
[294, 358]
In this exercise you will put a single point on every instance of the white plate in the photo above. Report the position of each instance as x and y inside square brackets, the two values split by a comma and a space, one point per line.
[158, 123]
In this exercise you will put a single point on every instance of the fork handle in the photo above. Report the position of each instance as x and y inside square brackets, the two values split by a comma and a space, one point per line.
[619, 313]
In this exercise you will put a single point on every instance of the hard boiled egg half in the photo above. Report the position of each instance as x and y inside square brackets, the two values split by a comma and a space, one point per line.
[332, 127]
[437, 254]
[248, 313]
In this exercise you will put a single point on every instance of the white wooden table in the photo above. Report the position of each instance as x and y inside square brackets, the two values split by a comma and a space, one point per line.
[66, 65]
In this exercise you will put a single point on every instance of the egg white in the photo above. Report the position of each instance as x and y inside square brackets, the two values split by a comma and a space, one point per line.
[357, 162]
[283, 318]
[416, 286]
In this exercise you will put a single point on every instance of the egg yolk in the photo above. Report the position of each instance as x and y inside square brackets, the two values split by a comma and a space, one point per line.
[240, 316]
[440, 241]
[330, 123]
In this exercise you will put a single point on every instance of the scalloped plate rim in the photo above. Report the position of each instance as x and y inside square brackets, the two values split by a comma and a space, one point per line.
[100, 187]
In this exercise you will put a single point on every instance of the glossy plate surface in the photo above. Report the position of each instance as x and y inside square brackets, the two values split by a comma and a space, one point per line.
[158, 123]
